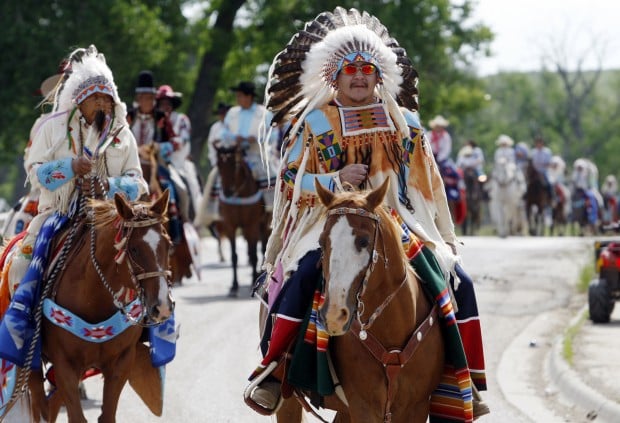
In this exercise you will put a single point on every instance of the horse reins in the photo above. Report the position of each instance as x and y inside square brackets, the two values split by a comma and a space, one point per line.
[126, 229]
[392, 360]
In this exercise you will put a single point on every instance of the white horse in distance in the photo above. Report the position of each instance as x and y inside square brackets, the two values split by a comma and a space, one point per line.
[506, 189]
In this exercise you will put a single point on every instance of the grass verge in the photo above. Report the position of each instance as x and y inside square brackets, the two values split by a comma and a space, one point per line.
[569, 337]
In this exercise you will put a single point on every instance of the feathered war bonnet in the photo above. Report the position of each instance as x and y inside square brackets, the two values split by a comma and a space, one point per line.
[86, 74]
[302, 76]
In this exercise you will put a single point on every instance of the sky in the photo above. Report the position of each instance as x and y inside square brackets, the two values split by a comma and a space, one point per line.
[526, 29]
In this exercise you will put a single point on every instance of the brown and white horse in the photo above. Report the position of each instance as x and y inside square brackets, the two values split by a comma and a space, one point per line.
[121, 266]
[385, 341]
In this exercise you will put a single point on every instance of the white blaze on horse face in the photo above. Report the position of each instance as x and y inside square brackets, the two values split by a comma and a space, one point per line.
[345, 262]
[152, 238]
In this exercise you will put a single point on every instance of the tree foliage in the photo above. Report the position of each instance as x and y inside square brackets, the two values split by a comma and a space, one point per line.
[202, 48]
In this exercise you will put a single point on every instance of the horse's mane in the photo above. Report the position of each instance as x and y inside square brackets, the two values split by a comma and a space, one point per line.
[105, 213]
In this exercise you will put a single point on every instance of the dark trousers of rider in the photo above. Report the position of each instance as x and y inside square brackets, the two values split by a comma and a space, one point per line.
[292, 302]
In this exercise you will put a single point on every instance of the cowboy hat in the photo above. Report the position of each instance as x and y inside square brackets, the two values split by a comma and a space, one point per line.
[246, 87]
[145, 83]
[49, 84]
[504, 140]
[439, 121]
[467, 150]
[166, 91]
[221, 108]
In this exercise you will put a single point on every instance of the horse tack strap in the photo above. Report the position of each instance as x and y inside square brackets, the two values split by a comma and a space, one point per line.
[393, 361]
[146, 275]
[356, 211]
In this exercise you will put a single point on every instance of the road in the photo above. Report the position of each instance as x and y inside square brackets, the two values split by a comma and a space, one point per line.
[526, 292]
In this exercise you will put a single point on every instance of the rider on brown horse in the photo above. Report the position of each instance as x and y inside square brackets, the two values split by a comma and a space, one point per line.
[85, 146]
[359, 136]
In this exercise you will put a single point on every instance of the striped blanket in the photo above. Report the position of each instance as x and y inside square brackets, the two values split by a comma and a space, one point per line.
[452, 400]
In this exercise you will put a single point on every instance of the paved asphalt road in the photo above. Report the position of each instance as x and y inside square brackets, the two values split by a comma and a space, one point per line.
[527, 298]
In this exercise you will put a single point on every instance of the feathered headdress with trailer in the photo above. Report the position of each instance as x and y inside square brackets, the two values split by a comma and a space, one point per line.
[86, 74]
[302, 76]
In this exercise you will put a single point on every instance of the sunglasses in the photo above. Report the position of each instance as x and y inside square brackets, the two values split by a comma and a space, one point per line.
[352, 69]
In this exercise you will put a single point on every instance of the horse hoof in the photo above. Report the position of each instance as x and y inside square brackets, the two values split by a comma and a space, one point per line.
[233, 293]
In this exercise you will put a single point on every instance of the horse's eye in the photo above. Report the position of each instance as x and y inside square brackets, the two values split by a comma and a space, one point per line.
[362, 242]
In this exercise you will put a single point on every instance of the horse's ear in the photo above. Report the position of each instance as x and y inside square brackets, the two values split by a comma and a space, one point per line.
[122, 206]
[325, 195]
[375, 197]
[160, 206]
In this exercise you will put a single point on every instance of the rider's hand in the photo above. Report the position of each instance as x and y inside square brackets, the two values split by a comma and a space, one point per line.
[81, 166]
[101, 186]
[354, 174]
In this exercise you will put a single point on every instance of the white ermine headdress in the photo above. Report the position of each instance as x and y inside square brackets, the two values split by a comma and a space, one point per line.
[302, 76]
[87, 74]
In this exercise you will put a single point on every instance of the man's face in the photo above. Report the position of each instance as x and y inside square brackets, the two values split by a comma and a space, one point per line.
[165, 105]
[146, 102]
[95, 107]
[244, 100]
[356, 84]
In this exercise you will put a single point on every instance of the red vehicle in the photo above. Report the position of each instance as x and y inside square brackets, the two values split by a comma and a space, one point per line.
[605, 290]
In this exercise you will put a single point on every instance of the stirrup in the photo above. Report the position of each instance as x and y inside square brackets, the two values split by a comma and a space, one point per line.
[247, 393]
[480, 408]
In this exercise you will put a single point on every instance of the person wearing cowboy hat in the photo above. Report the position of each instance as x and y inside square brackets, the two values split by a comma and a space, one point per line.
[440, 139]
[151, 129]
[178, 126]
[471, 156]
[84, 148]
[242, 126]
[177, 152]
[504, 149]
[215, 131]
[208, 212]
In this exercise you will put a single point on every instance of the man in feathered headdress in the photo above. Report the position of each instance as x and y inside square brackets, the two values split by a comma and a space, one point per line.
[84, 145]
[342, 82]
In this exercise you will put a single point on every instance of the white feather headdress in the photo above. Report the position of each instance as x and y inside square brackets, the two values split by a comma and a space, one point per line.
[87, 73]
[301, 76]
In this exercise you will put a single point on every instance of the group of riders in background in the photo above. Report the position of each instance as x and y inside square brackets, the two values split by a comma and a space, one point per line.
[529, 189]
[163, 137]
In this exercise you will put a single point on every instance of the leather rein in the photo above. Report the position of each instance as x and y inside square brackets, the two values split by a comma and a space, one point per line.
[121, 297]
[392, 360]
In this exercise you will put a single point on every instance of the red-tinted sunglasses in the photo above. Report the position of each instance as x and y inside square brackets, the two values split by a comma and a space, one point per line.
[352, 69]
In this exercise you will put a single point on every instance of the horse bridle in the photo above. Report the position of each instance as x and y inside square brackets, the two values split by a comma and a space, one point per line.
[374, 257]
[125, 230]
[238, 156]
[391, 360]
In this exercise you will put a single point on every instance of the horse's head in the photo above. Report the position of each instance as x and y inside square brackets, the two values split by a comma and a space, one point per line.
[348, 244]
[504, 171]
[235, 175]
[144, 245]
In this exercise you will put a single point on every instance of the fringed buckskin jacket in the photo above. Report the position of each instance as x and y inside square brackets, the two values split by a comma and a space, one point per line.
[334, 136]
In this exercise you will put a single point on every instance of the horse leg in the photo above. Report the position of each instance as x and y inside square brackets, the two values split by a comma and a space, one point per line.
[234, 289]
[215, 233]
[253, 255]
[38, 404]
[115, 377]
[67, 381]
